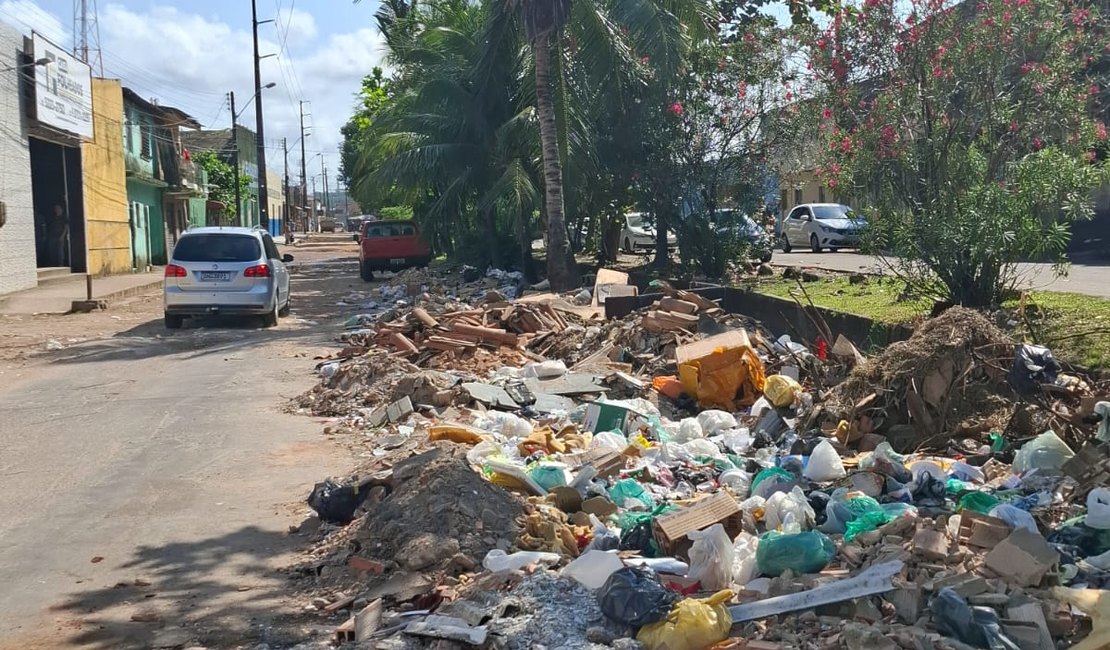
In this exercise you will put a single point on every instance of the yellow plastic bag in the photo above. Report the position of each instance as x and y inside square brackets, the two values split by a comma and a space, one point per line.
[693, 624]
[780, 390]
[459, 433]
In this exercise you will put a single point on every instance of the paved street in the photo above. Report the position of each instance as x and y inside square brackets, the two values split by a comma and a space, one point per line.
[153, 476]
[1086, 279]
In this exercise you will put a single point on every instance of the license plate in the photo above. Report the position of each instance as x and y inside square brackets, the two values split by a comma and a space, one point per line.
[215, 276]
[397, 260]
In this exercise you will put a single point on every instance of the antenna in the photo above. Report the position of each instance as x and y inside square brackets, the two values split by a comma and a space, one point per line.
[86, 35]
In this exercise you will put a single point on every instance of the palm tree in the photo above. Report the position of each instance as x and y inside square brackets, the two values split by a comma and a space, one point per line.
[611, 39]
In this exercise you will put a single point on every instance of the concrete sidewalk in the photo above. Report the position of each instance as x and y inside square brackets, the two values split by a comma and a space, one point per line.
[58, 295]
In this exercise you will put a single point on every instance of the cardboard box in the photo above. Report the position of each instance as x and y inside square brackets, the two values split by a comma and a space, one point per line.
[671, 529]
[1023, 558]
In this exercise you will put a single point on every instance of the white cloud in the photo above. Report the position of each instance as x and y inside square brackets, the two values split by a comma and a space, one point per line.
[28, 16]
[191, 61]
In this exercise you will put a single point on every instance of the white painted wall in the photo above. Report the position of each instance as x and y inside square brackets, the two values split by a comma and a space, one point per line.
[17, 236]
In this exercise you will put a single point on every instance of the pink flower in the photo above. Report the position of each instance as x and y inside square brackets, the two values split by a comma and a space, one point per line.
[846, 145]
[1092, 90]
[1022, 3]
[1080, 17]
[1026, 67]
[1100, 131]
[1089, 156]
[819, 172]
[937, 72]
[832, 183]
[1037, 144]
[1007, 16]
[675, 108]
[827, 113]
[1014, 127]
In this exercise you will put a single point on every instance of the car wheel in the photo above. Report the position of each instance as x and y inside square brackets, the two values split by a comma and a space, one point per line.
[833, 250]
[814, 245]
[284, 311]
[364, 271]
[785, 244]
[271, 319]
[174, 322]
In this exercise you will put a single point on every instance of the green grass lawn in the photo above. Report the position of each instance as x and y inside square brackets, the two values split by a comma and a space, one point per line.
[1075, 327]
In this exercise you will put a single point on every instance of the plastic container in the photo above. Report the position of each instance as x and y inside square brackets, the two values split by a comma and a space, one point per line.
[498, 560]
[806, 552]
[736, 480]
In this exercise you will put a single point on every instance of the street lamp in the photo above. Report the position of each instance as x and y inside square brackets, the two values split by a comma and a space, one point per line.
[43, 62]
[235, 138]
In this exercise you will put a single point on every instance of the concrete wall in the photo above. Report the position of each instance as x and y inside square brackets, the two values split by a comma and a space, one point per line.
[106, 218]
[17, 235]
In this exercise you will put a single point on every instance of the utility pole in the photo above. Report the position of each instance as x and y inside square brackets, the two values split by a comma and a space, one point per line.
[327, 200]
[263, 199]
[314, 204]
[235, 156]
[304, 180]
[285, 192]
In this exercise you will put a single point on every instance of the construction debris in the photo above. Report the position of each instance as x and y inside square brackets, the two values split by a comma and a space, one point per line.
[810, 495]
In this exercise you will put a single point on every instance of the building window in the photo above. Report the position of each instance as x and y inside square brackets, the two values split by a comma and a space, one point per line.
[144, 135]
[821, 194]
[128, 127]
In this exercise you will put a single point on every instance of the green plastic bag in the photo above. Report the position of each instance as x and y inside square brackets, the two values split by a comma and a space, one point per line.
[807, 552]
[548, 477]
[979, 502]
[629, 519]
[630, 489]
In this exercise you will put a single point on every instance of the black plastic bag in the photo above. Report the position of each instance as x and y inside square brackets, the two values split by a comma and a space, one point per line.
[335, 503]
[639, 538]
[1033, 365]
[977, 626]
[635, 598]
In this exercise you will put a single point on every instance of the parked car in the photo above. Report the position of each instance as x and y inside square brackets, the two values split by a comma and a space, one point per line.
[226, 271]
[638, 233]
[738, 224]
[819, 226]
[390, 246]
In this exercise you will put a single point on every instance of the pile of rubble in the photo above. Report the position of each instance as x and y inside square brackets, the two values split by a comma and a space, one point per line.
[538, 475]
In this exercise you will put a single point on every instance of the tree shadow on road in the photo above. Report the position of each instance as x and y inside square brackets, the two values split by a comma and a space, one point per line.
[220, 592]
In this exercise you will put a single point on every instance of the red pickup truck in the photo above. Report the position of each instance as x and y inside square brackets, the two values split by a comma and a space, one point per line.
[390, 246]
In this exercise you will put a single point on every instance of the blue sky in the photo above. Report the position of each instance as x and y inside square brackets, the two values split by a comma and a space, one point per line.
[189, 53]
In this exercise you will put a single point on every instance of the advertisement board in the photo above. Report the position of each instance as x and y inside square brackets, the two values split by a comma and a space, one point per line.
[63, 89]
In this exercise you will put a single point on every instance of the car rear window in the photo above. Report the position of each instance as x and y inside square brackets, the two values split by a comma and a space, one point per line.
[217, 248]
[390, 230]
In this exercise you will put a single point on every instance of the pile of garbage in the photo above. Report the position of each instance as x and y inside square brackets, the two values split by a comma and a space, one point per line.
[687, 486]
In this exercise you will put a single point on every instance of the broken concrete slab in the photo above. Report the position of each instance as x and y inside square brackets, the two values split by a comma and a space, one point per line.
[875, 580]
[930, 544]
[449, 628]
[490, 395]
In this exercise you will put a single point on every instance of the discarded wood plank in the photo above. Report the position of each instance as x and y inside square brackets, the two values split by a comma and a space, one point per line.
[606, 277]
[875, 580]
[342, 603]
[674, 304]
[424, 317]
[488, 334]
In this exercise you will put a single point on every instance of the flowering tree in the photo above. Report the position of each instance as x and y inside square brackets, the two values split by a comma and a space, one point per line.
[965, 132]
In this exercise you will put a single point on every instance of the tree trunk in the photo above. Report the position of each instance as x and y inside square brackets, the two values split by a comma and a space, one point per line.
[490, 227]
[662, 253]
[561, 268]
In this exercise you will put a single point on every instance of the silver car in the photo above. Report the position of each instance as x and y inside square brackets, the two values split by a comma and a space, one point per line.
[819, 226]
[226, 271]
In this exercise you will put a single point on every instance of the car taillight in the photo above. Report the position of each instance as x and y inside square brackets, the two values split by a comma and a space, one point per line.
[260, 271]
[175, 271]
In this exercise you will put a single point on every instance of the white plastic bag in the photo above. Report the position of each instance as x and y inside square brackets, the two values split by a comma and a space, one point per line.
[744, 566]
[478, 454]
[688, 429]
[1098, 509]
[783, 504]
[712, 421]
[507, 424]
[498, 560]
[736, 480]
[609, 440]
[711, 558]
[545, 370]
[824, 464]
[1015, 517]
[1046, 453]
[702, 447]
[738, 440]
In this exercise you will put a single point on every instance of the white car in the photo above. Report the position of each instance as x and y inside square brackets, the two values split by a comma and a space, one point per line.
[226, 272]
[820, 226]
[637, 233]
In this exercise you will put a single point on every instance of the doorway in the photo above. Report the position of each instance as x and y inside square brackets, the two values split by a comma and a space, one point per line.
[59, 205]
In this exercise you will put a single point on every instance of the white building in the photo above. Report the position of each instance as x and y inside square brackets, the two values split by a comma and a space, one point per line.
[18, 269]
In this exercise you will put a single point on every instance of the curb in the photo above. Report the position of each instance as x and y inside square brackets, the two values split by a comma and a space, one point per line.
[105, 301]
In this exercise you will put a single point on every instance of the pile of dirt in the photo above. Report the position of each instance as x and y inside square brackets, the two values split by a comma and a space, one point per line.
[949, 378]
[366, 381]
[440, 507]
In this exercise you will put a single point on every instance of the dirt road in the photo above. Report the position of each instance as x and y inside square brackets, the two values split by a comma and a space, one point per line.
[150, 477]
